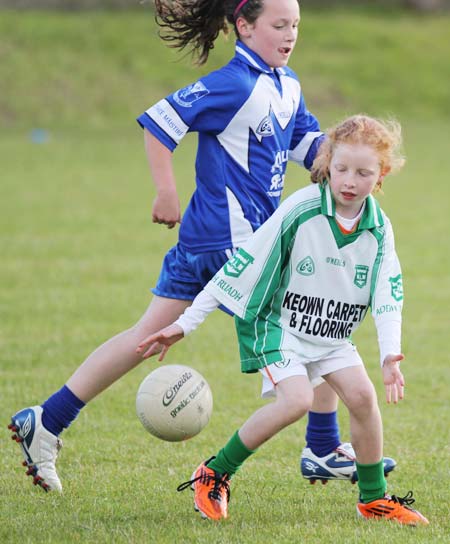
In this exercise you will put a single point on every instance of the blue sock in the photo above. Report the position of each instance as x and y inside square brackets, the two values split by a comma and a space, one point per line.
[322, 433]
[60, 410]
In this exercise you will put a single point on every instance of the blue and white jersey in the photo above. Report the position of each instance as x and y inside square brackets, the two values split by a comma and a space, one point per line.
[250, 121]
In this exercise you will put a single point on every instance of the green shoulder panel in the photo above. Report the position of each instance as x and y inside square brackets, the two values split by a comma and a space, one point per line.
[278, 256]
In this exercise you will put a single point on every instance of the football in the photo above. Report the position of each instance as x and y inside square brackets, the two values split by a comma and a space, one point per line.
[174, 402]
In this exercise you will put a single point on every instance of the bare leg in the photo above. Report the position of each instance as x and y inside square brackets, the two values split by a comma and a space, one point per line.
[117, 356]
[294, 398]
[358, 394]
[325, 399]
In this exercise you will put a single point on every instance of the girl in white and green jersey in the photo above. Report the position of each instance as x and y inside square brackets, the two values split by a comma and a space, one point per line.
[299, 288]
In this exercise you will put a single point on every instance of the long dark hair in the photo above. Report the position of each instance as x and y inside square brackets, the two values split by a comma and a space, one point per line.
[197, 23]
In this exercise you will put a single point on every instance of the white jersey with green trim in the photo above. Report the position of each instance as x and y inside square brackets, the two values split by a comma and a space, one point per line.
[300, 285]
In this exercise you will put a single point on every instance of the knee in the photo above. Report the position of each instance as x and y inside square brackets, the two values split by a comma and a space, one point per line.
[363, 399]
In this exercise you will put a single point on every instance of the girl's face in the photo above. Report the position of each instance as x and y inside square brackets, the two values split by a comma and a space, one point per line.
[354, 171]
[274, 33]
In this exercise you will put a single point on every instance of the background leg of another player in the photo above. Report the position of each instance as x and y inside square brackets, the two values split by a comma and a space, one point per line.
[117, 356]
[322, 431]
[107, 364]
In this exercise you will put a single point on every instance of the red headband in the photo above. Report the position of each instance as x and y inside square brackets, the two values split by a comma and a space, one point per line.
[239, 7]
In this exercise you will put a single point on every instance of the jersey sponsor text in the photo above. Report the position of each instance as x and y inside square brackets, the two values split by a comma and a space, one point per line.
[317, 316]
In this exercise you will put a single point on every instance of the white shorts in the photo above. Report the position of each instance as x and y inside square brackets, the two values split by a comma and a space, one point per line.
[343, 357]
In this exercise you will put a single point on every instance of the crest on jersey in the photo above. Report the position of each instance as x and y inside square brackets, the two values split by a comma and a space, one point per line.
[306, 267]
[235, 266]
[265, 128]
[397, 287]
[361, 275]
[190, 94]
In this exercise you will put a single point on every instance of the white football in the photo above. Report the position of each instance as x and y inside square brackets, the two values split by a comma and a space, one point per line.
[174, 402]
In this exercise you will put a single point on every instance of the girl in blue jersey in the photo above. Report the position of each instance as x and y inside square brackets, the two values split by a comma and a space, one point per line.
[251, 118]
[299, 287]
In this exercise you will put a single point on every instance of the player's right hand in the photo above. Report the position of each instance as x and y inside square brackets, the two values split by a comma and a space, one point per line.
[394, 382]
[166, 209]
[160, 342]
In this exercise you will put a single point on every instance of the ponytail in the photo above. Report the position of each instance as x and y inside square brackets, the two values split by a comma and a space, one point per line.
[197, 23]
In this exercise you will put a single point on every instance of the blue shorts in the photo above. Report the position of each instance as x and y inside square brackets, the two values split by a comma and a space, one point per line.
[183, 274]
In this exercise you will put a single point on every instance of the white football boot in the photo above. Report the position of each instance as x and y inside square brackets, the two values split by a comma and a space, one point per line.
[337, 465]
[39, 447]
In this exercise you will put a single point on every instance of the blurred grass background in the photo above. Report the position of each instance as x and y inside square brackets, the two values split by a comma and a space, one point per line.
[78, 253]
[101, 69]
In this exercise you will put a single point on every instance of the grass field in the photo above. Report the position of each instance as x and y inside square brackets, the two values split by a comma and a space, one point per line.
[79, 252]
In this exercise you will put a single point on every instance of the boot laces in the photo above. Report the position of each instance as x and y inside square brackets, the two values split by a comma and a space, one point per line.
[220, 481]
[407, 500]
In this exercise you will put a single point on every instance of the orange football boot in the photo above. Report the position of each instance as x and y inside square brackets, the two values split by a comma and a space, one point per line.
[211, 491]
[392, 508]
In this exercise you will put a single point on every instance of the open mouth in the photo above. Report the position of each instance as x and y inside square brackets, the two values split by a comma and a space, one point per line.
[284, 50]
[348, 196]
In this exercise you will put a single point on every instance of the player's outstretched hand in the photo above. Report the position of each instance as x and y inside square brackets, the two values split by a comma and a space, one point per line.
[394, 382]
[160, 342]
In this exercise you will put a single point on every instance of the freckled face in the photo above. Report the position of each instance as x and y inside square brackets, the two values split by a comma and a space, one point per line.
[274, 34]
[354, 172]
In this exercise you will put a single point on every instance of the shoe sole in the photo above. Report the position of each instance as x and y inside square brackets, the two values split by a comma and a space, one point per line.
[202, 514]
[352, 479]
[32, 469]
[384, 518]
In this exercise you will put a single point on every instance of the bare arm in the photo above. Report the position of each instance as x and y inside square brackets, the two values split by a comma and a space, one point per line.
[166, 206]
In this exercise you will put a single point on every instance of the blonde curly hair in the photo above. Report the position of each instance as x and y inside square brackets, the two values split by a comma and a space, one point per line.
[384, 136]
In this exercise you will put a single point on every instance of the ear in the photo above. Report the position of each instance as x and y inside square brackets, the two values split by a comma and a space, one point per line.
[384, 172]
[243, 27]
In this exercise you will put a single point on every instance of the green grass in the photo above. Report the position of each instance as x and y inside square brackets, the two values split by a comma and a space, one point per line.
[79, 252]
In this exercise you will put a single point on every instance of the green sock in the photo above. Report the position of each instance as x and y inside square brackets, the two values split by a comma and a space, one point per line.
[230, 458]
[371, 481]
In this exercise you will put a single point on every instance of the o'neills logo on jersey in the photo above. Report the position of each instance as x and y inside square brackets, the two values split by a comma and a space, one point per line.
[172, 392]
[306, 267]
[235, 266]
[265, 128]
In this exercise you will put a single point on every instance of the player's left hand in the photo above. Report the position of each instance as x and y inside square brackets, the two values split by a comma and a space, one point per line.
[160, 342]
[394, 382]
